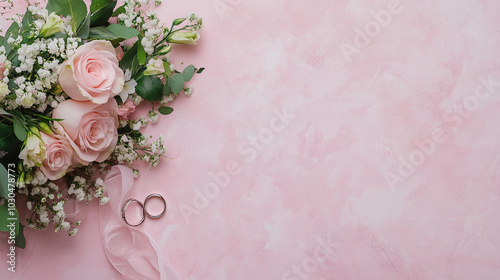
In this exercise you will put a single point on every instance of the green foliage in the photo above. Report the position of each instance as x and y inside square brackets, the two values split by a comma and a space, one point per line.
[141, 54]
[119, 10]
[123, 32]
[28, 18]
[97, 5]
[165, 110]
[20, 129]
[149, 88]
[8, 140]
[176, 83]
[200, 70]
[188, 73]
[102, 15]
[12, 32]
[84, 29]
[101, 33]
[128, 57]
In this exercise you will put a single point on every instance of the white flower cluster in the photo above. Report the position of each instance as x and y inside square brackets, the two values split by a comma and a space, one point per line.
[130, 148]
[5, 66]
[77, 188]
[136, 18]
[38, 72]
[46, 208]
[125, 151]
[150, 39]
[132, 16]
[37, 179]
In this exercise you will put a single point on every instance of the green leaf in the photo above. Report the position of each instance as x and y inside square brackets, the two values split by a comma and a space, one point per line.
[128, 57]
[97, 5]
[124, 32]
[12, 32]
[165, 110]
[166, 90]
[8, 141]
[141, 54]
[28, 18]
[84, 29]
[134, 67]
[101, 16]
[176, 83]
[200, 70]
[19, 129]
[4, 181]
[74, 8]
[188, 73]
[149, 88]
[101, 33]
[7, 217]
[20, 240]
[119, 10]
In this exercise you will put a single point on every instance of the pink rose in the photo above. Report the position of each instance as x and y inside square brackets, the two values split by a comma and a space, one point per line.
[126, 109]
[92, 73]
[59, 156]
[91, 129]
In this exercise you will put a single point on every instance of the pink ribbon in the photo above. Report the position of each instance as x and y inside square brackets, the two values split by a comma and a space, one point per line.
[130, 250]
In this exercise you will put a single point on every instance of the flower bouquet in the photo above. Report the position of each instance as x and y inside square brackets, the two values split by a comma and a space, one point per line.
[70, 75]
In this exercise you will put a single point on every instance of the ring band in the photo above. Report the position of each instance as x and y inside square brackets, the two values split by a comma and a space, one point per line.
[124, 208]
[164, 205]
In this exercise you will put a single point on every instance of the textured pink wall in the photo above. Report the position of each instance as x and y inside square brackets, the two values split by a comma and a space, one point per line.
[386, 167]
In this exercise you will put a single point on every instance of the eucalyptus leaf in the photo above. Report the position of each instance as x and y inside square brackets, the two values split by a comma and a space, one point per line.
[166, 90]
[149, 88]
[176, 83]
[188, 73]
[165, 110]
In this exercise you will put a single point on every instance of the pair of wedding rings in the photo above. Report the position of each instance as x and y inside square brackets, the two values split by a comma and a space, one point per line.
[144, 209]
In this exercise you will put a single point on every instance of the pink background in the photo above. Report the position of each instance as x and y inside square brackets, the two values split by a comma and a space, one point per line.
[314, 194]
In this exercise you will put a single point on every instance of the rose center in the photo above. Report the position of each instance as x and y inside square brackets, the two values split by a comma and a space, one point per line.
[95, 70]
